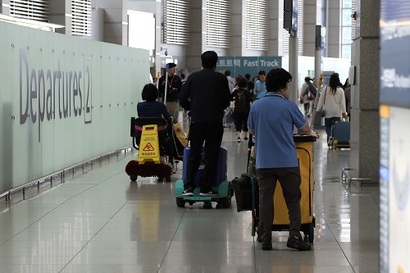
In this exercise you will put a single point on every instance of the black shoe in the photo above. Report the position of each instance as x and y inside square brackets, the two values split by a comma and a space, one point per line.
[298, 243]
[266, 245]
[188, 191]
[245, 138]
[259, 239]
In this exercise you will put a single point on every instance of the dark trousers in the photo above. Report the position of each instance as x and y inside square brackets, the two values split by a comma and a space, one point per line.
[289, 179]
[328, 126]
[241, 121]
[211, 133]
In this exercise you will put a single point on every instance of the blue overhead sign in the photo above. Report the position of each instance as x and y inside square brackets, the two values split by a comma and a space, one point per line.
[248, 65]
[395, 47]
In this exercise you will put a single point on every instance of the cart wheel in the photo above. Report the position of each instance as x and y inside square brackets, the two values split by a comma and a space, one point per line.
[133, 178]
[207, 205]
[160, 179]
[168, 179]
[226, 202]
[306, 238]
[253, 224]
[180, 202]
[311, 232]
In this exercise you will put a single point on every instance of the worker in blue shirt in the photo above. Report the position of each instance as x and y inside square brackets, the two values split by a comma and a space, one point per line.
[271, 120]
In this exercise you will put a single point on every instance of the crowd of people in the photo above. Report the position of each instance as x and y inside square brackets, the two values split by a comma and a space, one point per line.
[263, 115]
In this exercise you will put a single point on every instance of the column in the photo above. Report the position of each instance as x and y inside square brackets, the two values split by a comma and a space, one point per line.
[309, 27]
[60, 13]
[333, 28]
[365, 132]
[197, 35]
[115, 18]
[275, 28]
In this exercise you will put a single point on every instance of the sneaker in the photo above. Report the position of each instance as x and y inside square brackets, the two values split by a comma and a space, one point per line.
[266, 245]
[208, 193]
[297, 243]
[245, 138]
[330, 142]
[188, 192]
[239, 139]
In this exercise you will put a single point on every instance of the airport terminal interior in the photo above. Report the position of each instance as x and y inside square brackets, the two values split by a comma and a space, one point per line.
[100, 221]
[93, 218]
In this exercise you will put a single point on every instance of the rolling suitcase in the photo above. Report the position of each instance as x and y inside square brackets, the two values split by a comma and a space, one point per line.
[220, 183]
[304, 148]
[341, 134]
[221, 173]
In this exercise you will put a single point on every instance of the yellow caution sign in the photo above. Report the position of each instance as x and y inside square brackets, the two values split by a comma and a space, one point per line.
[149, 145]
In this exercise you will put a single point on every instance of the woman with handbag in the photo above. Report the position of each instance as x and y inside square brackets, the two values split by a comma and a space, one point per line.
[332, 103]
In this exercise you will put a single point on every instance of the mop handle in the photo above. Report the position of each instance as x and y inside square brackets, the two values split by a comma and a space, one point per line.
[166, 84]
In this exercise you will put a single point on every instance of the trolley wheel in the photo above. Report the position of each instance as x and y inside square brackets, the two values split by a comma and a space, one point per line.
[180, 202]
[168, 178]
[225, 202]
[160, 179]
[207, 205]
[305, 238]
[133, 178]
[253, 224]
[311, 232]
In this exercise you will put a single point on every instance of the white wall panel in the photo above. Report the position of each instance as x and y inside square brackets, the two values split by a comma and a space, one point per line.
[63, 100]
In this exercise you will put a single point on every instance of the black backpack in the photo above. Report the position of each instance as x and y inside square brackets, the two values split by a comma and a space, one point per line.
[241, 101]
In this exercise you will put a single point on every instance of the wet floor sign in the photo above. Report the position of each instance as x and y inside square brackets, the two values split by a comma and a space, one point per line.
[149, 145]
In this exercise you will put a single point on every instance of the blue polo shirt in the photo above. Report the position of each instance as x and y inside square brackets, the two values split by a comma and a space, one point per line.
[273, 118]
[263, 90]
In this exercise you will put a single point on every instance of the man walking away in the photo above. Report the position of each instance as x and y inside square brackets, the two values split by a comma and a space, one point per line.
[206, 94]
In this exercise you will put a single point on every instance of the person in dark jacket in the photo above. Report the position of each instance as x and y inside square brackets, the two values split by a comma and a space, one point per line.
[242, 98]
[172, 85]
[206, 95]
[151, 108]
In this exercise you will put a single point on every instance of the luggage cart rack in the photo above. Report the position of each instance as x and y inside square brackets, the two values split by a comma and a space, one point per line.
[348, 175]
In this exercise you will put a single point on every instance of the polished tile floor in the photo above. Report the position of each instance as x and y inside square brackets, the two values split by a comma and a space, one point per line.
[100, 222]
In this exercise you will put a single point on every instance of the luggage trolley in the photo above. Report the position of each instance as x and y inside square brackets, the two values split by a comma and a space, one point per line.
[304, 148]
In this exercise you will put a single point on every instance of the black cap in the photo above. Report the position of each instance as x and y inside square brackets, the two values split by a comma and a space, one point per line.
[171, 65]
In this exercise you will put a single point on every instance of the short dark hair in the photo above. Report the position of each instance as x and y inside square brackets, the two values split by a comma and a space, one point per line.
[242, 82]
[209, 59]
[262, 72]
[149, 92]
[227, 73]
[277, 79]
[247, 76]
